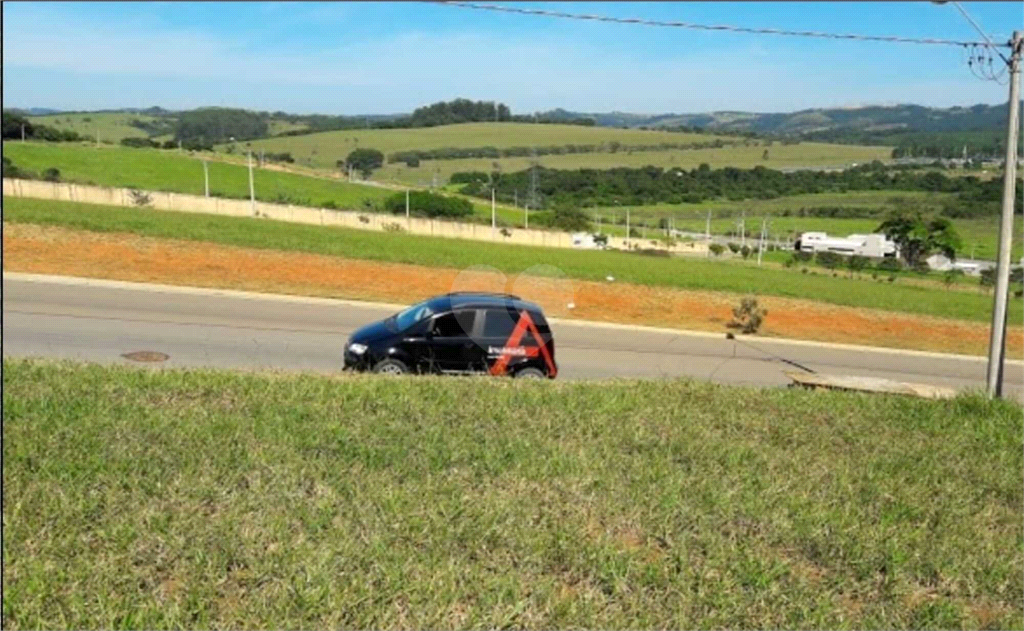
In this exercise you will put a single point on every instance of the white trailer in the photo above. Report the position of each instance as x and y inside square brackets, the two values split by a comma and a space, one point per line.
[872, 245]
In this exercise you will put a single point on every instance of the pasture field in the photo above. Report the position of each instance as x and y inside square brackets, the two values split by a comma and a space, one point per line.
[323, 150]
[112, 127]
[160, 170]
[681, 273]
[309, 501]
[805, 154]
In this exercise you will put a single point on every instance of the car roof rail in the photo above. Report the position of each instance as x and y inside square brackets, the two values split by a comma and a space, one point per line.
[484, 293]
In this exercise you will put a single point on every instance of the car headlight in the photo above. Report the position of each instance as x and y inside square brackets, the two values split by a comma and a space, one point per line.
[357, 349]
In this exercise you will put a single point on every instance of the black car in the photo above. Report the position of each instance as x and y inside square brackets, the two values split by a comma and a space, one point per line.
[459, 333]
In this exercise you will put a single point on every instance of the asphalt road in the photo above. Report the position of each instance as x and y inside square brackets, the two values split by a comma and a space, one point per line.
[101, 320]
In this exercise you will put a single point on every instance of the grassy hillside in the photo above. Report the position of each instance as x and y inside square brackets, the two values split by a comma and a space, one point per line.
[323, 150]
[304, 501]
[682, 273]
[805, 154]
[154, 169]
[111, 127]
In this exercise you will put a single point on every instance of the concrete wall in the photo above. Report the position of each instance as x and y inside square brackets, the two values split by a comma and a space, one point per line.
[179, 202]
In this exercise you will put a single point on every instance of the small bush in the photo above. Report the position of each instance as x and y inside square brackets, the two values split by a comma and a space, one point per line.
[364, 219]
[393, 227]
[716, 249]
[329, 204]
[829, 260]
[889, 265]
[426, 204]
[505, 232]
[745, 252]
[748, 316]
[734, 247]
[139, 198]
[51, 175]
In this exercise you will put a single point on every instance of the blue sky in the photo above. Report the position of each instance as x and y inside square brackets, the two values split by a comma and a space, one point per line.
[358, 58]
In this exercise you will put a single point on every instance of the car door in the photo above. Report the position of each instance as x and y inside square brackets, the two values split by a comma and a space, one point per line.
[498, 325]
[451, 341]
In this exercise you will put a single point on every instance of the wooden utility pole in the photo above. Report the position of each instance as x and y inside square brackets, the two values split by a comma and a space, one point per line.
[997, 342]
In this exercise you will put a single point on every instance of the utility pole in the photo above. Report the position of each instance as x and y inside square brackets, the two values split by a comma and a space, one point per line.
[743, 228]
[23, 132]
[408, 221]
[526, 217]
[707, 235]
[252, 188]
[997, 342]
[627, 227]
[206, 176]
[760, 249]
[494, 222]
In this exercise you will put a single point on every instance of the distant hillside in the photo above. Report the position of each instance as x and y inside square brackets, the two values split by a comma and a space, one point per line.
[914, 130]
[872, 118]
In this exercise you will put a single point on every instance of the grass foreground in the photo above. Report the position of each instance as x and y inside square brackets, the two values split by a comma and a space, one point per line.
[678, 272]
[141, 498]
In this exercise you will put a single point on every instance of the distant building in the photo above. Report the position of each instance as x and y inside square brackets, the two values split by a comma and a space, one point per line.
[942, 263]
[584, 240]
[872, 245]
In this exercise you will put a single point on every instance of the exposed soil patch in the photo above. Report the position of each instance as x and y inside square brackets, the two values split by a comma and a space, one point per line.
[51, 250]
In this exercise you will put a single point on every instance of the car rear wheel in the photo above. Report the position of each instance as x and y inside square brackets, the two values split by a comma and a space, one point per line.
[390, 367]
[529, 373]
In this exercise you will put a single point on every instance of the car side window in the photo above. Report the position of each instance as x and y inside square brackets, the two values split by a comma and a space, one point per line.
[499, 323]
[457, 324]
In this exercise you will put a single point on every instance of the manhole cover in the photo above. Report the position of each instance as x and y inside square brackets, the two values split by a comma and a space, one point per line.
[146, 356]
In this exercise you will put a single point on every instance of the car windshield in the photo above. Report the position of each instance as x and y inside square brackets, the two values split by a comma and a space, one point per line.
[409, 317]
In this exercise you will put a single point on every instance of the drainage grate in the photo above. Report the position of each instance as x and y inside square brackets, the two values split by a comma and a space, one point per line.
[146, 356]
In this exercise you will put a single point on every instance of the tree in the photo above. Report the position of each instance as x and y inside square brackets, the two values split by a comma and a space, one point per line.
[745, 252]
[365, 161]
[917, 237]
[734, 247]
[716, 249]
[426, 204]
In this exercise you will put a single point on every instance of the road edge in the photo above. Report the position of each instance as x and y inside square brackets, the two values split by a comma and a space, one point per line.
[251, 295]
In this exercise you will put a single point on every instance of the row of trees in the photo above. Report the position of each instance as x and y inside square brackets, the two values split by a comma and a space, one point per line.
[459, 153]
[650, 185]
[14, 124]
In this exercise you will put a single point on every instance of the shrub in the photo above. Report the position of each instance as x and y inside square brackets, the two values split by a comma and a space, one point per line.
[412, 162]
[789, 263]
[505, 232]
[857, 263]
[139, 198]
[426, 204]
[803, 257]
[51, 175]
[716, 249]
[393, 227]
[734, 247]
[745, 252]
[748, 316]
[829, 260]
[951, 276]
[329, 204]
[889, 265]
[140, 143]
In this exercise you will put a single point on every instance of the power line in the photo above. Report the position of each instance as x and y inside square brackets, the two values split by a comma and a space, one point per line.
[978, 28]
[710, 27]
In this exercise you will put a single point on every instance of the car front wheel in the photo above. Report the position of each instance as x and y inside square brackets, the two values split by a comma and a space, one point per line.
[390, 367]
[529, 373]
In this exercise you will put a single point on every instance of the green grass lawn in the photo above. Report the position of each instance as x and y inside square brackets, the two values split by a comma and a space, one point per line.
[169, 499]
[111, 126]
[626, 267]
[160, 170]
